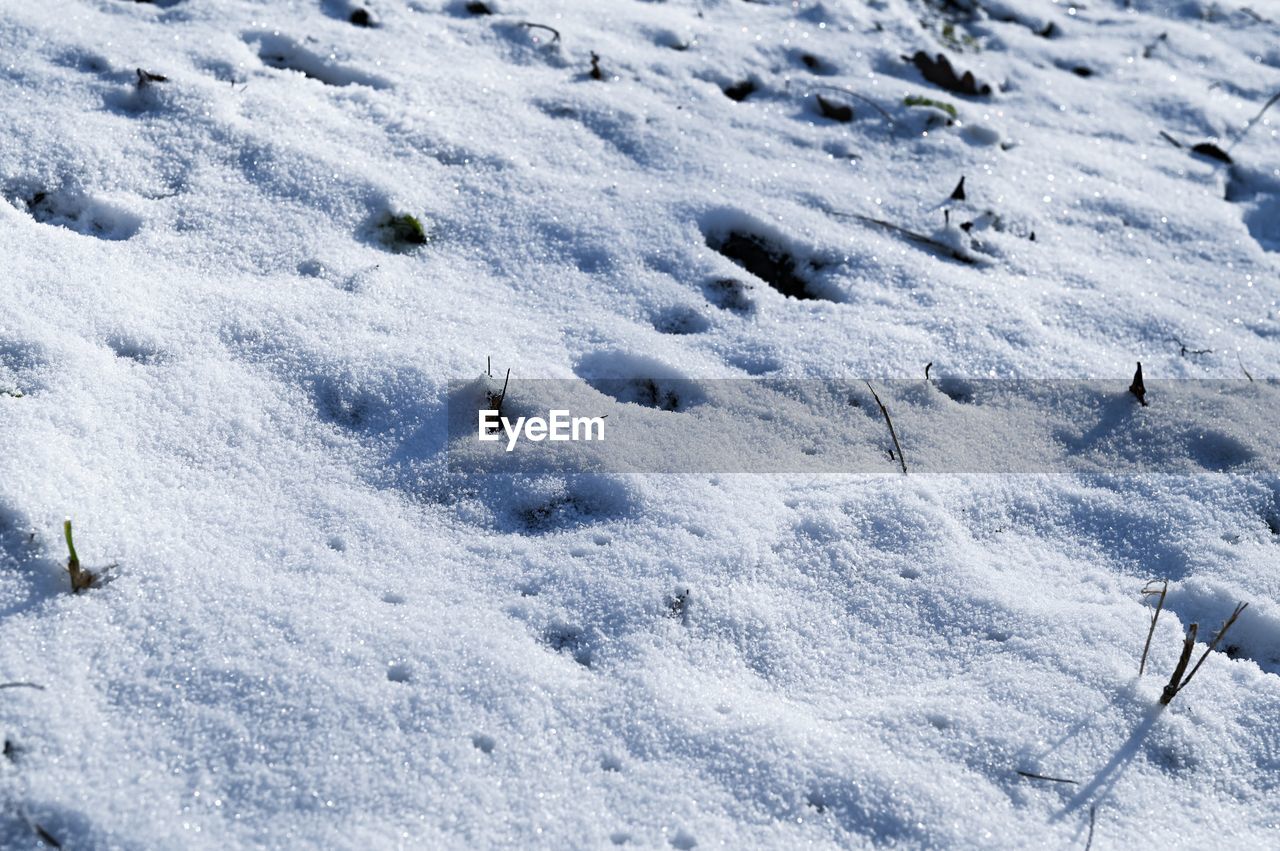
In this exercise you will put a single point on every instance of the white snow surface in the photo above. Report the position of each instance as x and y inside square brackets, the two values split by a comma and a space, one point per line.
[316, 635]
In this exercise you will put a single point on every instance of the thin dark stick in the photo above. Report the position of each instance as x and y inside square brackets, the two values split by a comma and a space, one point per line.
[1187, 350]
[1035, 776]
[1242, 369]
[1226, 625]
[902, 459]
[1252, 121]
[1142, 666]
[940, 247]
[45, 836]
[868, 101]
[1093, 815]
[35, 686]
[532, 25]
[503, 396]
[1175, 681]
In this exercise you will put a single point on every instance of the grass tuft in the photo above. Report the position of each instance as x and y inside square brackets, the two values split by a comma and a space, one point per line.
[918, 100]
[403, 232]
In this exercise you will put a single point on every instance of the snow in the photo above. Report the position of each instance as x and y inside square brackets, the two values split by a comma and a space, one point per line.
[333, 622]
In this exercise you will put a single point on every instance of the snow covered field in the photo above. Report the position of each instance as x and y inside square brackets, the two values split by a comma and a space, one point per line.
[226, 354]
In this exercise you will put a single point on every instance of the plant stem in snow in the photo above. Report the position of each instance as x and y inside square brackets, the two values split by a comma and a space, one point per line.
[1146, 592]
[902, 459]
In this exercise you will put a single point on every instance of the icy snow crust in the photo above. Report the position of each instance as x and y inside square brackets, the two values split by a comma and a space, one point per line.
[320, 636]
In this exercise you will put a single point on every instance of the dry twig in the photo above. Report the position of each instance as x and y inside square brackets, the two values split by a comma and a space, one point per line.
[1155, 616]
[902, 459]
[1033, 776]
[531, 25]
[1177, 682]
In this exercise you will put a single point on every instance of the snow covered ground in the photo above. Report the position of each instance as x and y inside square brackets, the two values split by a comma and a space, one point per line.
[328, 628]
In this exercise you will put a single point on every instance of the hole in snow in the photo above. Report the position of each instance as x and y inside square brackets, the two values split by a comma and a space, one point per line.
[680, 320]
[956, 389]
[816, 64]
[729, 294]
[566, 638]
[739, 91]
[769, 262]
[684, 840]
[286, 54]
[135, 349]
[640, 380]
[78, 212]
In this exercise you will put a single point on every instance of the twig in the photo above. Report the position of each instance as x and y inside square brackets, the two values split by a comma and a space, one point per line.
[1188, 644]
[868, 101]
[1146, 592]
[45, 836]
[1252, 121]
[1171, 140]
[940, 247]
[146, 78]
[1093, 816]
[1242, 369]
[902, 459]
[1177, 682]
[532, 25]
[35, 686]
[1035, 776]
[1188, 351]
[501, 397]
[927, 367]
[1226, 625]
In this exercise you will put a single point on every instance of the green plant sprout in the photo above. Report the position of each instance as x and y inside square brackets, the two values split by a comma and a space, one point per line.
[917, 100]
[81, 578]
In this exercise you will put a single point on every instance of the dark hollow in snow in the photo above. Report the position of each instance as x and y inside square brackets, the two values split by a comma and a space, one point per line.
[770, 263]
[729, 294]
[680, 320]
[834, 110]
[739, 91]
[278, 51]
[566, 638]
[817, 64]
[663, 394]
[78, 212]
